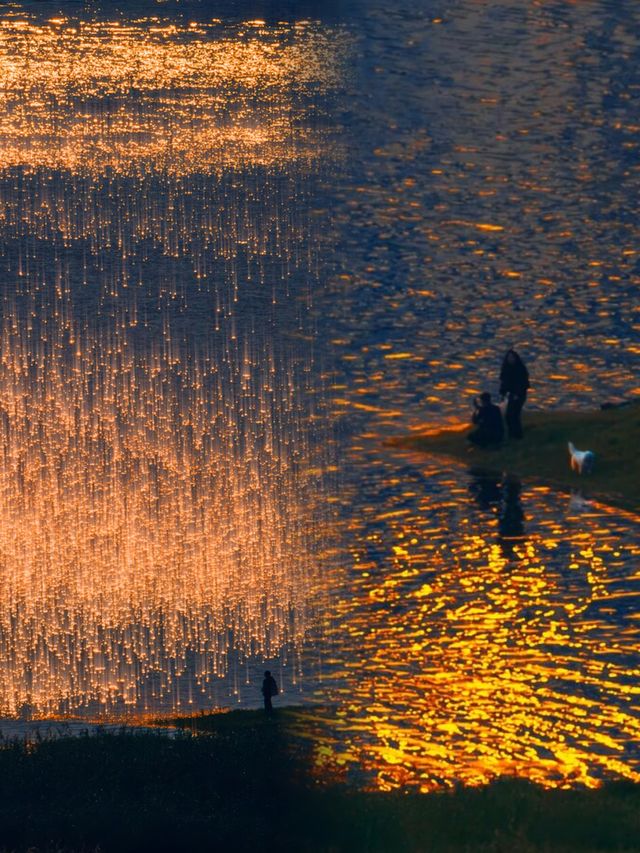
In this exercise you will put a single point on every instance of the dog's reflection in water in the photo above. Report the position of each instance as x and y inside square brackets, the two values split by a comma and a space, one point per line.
[578, 503]
[501, 495]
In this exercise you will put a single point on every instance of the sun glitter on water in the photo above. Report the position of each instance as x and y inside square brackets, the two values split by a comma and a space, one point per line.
[148, 526]
[161, 471]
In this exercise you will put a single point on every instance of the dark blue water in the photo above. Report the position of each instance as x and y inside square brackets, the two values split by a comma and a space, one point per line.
[489, 201]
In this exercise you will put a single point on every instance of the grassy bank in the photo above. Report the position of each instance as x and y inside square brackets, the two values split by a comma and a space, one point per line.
[613, 435]
[241, 787]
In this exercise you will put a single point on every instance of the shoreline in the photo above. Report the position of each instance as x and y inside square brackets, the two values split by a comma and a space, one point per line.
[242, 783]
[613, 434]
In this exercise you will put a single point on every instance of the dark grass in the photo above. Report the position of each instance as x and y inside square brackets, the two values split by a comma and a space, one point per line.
[244, 785]
[542, 455]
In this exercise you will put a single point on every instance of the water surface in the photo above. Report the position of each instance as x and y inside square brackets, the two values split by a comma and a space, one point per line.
[237, 252]
[483, 625]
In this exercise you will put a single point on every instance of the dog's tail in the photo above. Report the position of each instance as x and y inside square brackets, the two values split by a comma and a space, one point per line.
[572, 449]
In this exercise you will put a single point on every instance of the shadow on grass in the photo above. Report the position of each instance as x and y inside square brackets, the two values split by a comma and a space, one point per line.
[243, 786]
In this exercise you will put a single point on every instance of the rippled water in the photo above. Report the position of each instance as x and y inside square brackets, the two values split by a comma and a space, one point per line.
[483, 625]
[259, 223]
[162, 458]
[492, 202]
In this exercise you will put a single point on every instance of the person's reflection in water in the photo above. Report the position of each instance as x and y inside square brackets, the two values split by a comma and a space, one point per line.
[511, 517]
[500, 494]
[485, 488]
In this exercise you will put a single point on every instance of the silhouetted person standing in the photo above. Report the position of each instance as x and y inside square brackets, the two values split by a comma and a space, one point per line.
[514, 384]
[487, 418]
[269, 689]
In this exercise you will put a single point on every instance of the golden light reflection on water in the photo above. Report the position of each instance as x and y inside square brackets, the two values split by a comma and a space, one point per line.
[156, 521]
[508, 648]
[485, 627]
[160, 478]
[156, 500]
[126, 147]
[128, 96]
[492, 202]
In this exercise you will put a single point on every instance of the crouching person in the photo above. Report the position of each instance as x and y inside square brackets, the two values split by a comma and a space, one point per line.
[487, 418]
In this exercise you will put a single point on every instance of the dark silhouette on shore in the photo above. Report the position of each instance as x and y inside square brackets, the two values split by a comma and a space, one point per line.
[269, 690]
[514, 384]
[487, 418]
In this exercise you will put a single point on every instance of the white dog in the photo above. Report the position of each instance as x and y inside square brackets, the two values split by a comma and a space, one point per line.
[582, 461]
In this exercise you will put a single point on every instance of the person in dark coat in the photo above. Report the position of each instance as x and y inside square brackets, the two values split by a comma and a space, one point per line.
[514, 384]
[269, 689]
[487, 418]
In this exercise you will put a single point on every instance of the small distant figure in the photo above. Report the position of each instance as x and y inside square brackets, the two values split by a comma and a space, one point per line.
[269, 690]
[514, 384]
[582, 461]
[25, 712]
[487, 418]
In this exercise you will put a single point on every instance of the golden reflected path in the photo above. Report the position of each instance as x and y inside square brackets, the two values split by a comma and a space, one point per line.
[91, 96]
[161, 475]
[484, 628]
